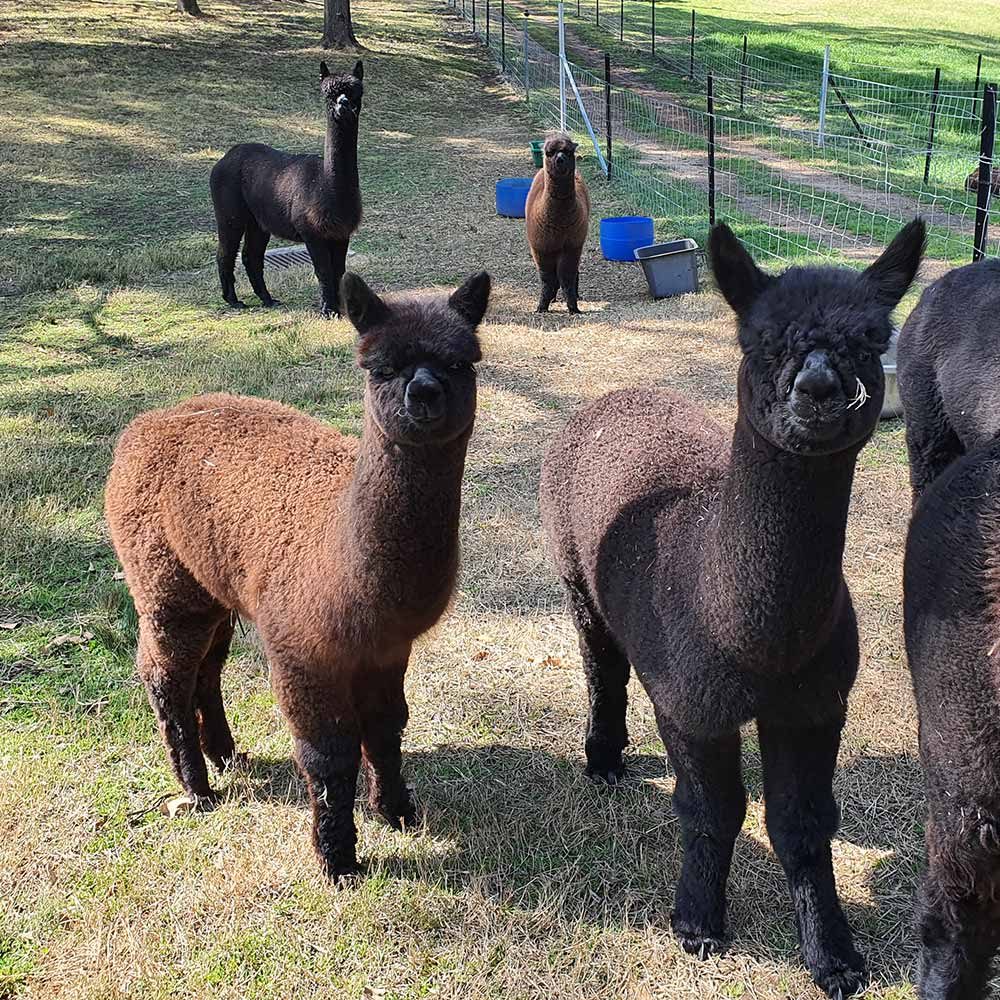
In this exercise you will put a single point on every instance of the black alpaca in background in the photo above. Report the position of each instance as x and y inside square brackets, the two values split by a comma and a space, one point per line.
[949, 370]
[259, 191]
[951, 610]
[715, 570]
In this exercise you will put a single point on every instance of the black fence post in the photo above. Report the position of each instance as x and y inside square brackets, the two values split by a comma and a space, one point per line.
[930, 134]
[487, 23]
[987, 146]
[743, 72]
[473, 16]
[711, 153]
[524, 36]
[621, 22]
[691, 73]
[597, 12]
[975, 86]
[652, 28]
[607, 107]
[503, 36]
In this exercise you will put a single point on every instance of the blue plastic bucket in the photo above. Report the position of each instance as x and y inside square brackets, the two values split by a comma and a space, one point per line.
[620, 235]
[512, 193]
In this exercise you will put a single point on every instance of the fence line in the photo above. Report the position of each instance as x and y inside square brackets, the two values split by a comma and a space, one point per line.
[788, 196]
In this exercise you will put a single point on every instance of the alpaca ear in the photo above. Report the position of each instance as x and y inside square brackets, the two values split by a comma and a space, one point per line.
[739, 279]
[890, 276]
[363, 307]
[359, 70]
[472, 297]
[324, 70]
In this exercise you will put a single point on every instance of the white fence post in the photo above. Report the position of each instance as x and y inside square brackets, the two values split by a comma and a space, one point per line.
[562, 71]
[823, 88]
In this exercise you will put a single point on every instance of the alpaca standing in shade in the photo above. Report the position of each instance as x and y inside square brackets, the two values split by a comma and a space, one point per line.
[714, 569]
[557, 217]
[259, 192]
[342, 551]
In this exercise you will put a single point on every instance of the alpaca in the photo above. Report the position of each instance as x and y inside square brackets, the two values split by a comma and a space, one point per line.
[972, 181]
[557, 216]
[951, 610]
[259, 192]
[716, 573]
[948, 367]
[342, 551]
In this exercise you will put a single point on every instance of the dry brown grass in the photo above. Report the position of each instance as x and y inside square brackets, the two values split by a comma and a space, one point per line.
[525, 881]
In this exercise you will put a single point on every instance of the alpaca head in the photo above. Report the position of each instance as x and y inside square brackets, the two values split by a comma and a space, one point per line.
[342, 92]
[419, 355]
[811, 379]
[560, 155]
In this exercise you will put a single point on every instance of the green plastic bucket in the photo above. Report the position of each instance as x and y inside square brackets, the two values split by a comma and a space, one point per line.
[538, 151]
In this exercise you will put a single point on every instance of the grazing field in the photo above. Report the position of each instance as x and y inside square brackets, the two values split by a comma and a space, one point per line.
[524, 881]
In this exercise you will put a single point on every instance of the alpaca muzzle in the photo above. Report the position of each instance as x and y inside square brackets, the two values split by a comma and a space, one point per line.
[424, 398]
[816, 388]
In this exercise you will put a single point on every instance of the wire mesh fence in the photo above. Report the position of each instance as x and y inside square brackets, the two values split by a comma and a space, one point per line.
[792, 191]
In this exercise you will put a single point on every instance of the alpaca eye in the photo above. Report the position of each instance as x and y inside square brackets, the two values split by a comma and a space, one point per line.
[460, 366]
[385, 372]
[864, 355]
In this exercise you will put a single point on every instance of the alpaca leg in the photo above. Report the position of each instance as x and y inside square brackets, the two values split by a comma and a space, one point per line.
[319, 251]
[931, 441]
[550, 282]
[382, 707]
[958, 938]
[170, 654]
[216, 737]
[323, 720]
[606, 670]
[338, 263]
[254, 244]
[230, 234]
[802, 817]
[569, 278]
[710, 802]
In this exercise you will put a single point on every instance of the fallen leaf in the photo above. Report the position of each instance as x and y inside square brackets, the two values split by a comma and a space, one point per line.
[481, 655]
[552, 661]
[8, 625]
[177, 807]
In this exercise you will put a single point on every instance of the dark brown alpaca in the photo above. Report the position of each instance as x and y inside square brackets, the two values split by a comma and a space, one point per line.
[259, 192]
[972, 181]
[713, 567]
[342, 551]
[558, 216]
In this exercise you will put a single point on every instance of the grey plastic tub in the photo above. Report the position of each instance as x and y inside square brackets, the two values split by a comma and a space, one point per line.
[670, 268]
[892, 405]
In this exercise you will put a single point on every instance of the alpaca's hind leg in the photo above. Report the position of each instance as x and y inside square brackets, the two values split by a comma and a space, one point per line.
[802, 817]
[550, 282]
[255, 243]
[321, 714]
[958, 938]
[230, 234]
[216, 737]
[383, 712]
[170, 654]
[931, 441]
[606, 669]
[710, 802]
[569, 278]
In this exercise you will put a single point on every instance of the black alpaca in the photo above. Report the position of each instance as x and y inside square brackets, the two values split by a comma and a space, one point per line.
[715, 571]
[949, 370]
[951, 586]
[259, 191]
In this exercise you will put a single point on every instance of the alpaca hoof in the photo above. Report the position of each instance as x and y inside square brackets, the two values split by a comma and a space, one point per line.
[235, 304]
[343, 873]
[327, 313]
[840, 978]
[542, 309]
[402, 816]
[695, 940]
[273, 304]
[573, 310]
[604, 775]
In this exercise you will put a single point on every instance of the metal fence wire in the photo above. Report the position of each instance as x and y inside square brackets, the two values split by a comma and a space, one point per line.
[793, 190]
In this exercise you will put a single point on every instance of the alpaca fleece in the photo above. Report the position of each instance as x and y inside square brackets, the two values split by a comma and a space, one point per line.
[952, 622]
[258, 191]
[342, 551]
[972, 181]
[714, 569]
[557, 216]
[949, 369]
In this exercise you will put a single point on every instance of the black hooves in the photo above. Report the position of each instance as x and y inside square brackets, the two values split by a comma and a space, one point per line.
[273, 304]
[841, 979]
[697, 941]
[605, 775]
[342, 873]
[235, 304]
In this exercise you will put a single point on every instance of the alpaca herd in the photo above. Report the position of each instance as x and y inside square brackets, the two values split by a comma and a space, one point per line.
[708, 561]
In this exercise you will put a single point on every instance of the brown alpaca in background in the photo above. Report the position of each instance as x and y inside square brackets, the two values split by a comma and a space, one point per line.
[342, 551]
[558, 216]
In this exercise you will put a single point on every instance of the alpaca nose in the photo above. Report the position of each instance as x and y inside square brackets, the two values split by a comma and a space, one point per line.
[424, 397]
[817, 378]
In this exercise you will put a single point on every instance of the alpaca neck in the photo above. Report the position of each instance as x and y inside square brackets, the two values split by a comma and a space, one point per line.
[560, 188]
[773, 559]
[399, 530]
[340, 152]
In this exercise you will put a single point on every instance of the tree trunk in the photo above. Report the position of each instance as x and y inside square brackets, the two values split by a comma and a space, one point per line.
[338, 31]
[189, 7]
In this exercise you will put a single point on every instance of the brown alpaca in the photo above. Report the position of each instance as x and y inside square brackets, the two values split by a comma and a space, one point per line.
[972, 181]
[342, 551]
[558, 216]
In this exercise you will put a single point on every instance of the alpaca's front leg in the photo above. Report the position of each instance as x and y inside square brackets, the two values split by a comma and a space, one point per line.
[802, 817]
[319, 251]
[710, 802]
[338, 265]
